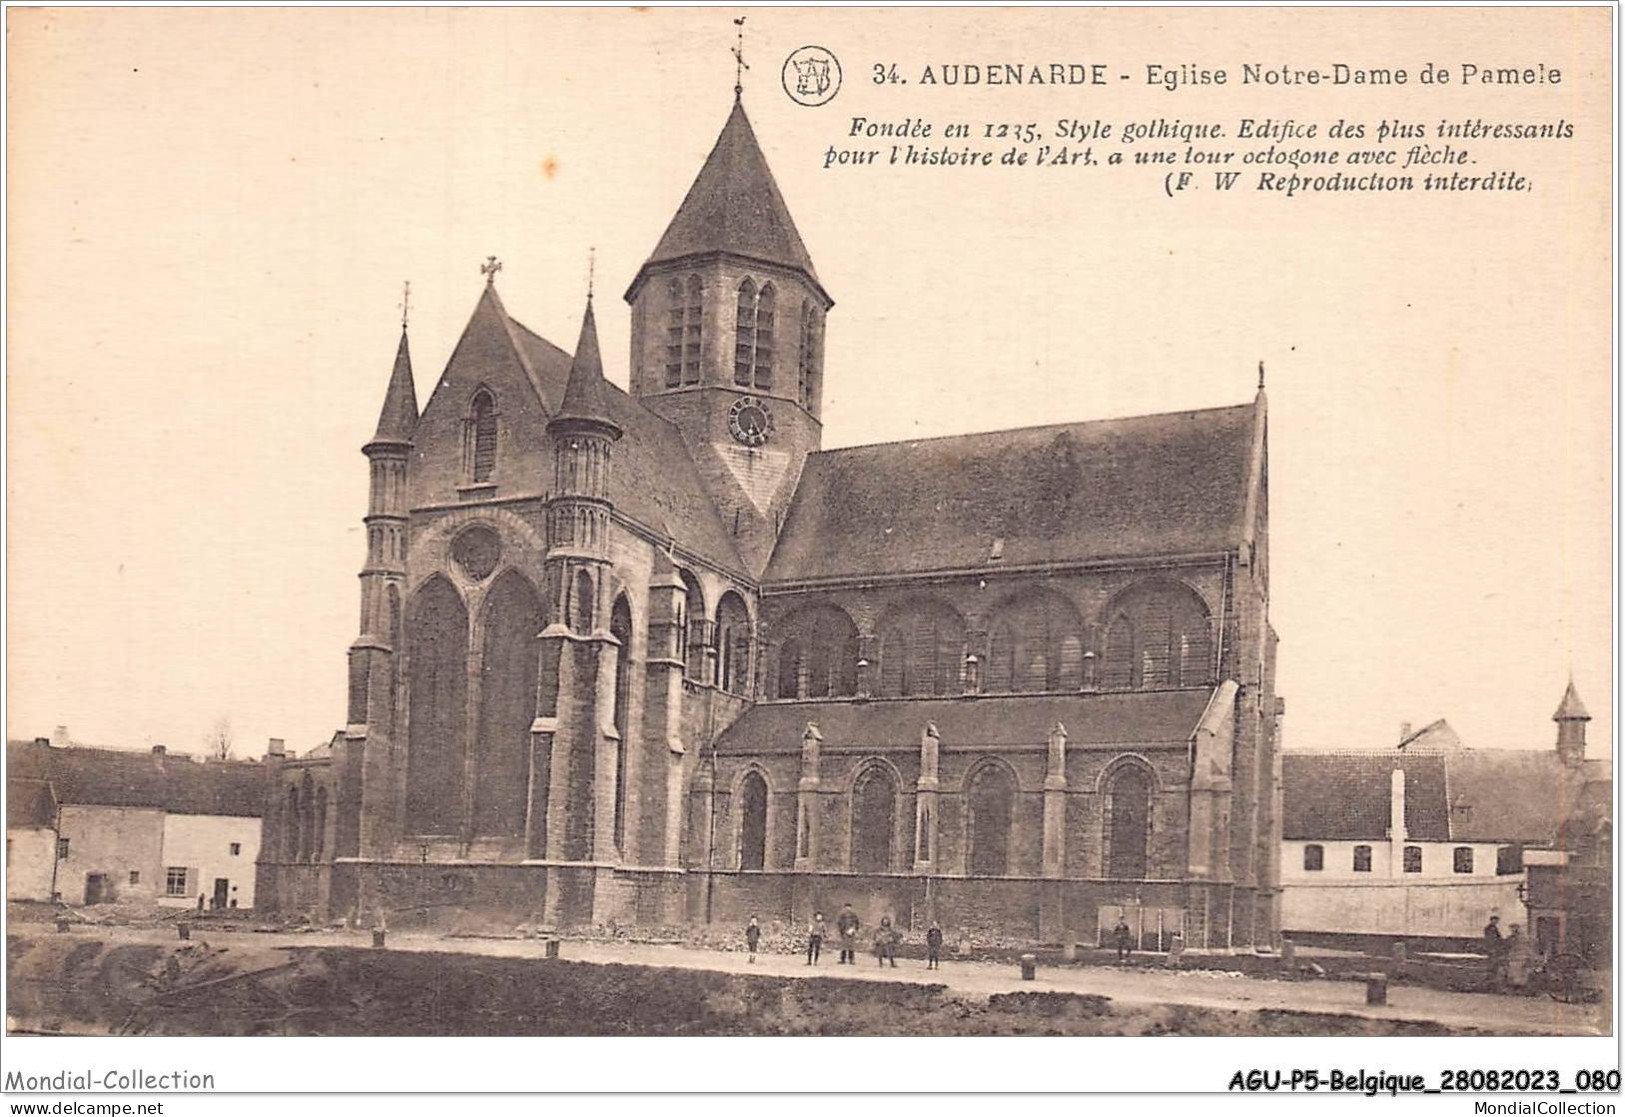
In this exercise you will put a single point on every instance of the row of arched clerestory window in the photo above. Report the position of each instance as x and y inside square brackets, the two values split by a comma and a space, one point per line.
[1156, 635]
[877, 844]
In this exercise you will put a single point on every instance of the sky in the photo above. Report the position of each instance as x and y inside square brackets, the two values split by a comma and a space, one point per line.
[212, 213]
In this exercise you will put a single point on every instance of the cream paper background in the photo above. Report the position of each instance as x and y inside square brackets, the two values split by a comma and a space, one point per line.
[211, 211]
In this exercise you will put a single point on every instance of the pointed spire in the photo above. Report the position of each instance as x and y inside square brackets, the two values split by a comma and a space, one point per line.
[734, 207]
[586, 392]
[1571, 708]
[399, 416]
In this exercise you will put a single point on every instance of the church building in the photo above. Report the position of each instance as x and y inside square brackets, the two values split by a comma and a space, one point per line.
[654, 657]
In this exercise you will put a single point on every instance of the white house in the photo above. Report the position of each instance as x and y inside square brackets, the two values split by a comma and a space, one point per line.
[1423, 842]
[114, 826]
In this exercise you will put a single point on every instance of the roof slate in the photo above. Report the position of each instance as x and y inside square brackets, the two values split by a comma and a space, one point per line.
[30, 804]
[1510, 795]
[117, 778]
[1455, 794]
[735, 206]
[1116, 488]
[1126, 718]
[1345, 796]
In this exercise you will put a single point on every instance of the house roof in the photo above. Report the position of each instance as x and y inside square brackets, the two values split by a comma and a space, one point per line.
[1345, 796]
[1117, 488]
[1100, 720]
[734, 206]
[1451, 794]
[1508, 795]
[399, 416]
[30, 803]
[119, 778]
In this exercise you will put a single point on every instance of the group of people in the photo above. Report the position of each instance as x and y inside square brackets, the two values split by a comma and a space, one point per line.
[1511, 957]
[885, 939]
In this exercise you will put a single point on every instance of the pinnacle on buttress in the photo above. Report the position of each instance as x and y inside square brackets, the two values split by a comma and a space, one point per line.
[399, 416]
[586, 393]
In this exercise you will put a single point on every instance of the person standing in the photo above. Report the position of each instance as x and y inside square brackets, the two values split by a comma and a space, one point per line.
[753, 935]
[885, 943]
[933, 947]
[1495, 952]
[1123, 938]
[1520, 959]
[846, 925]
[815, 938]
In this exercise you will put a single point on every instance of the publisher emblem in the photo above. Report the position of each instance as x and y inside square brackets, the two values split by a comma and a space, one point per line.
[812, 76]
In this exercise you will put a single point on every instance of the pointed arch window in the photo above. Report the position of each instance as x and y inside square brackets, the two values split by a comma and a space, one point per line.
[1128, 807]
[753, 336]
[733, 645]
[991, 807]
[874, 816]
[480, 437]
[620, 626]
[753, 823]
[818, 655]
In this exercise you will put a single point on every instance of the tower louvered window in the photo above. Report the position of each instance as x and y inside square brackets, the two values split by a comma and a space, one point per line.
[807, 366]
[684, 305]
[482, 437]
[753, 336]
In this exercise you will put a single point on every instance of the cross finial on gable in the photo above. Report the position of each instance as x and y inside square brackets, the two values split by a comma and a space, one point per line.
[740, 65]
[489, 269]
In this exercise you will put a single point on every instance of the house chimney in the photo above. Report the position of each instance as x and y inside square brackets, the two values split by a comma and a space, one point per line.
[1396, 807]
[59, 739]
[43, 742]
[158, 750]
[1404, 731]
[276, 748]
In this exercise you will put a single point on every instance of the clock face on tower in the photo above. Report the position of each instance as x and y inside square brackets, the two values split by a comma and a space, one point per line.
[749, 421]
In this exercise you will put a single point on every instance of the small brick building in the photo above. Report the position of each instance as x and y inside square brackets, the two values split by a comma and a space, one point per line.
[654, 656]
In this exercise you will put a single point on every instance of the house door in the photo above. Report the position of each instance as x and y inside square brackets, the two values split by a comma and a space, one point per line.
[96, 888]
[222, 887]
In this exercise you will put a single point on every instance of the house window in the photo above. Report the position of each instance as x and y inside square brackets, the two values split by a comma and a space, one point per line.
[175, 881]
[1509, 860]
[1314, 858]
[236, 848]
[1362, 859]
[1463, 859]
[135, 876]
[62, 849]
[1413, 859]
